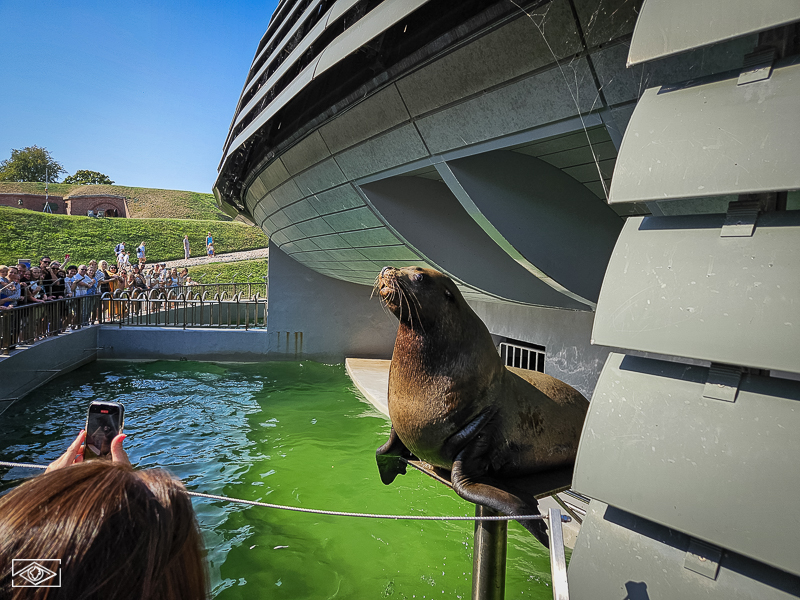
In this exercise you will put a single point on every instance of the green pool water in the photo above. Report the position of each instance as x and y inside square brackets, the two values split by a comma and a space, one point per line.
[286, 433]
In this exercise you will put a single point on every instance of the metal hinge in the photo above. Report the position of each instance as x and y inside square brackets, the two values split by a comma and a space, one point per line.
[703, 559]
[740, 220]
[722, 383]
[757, 66]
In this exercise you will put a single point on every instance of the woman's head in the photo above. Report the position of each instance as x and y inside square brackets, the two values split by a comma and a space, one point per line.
[119, 533]
[104, 265]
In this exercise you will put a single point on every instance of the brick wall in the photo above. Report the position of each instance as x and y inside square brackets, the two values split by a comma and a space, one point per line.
[81, 205]
[34, 202]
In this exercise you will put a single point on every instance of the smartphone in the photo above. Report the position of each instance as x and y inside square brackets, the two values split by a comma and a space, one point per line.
[103, 423]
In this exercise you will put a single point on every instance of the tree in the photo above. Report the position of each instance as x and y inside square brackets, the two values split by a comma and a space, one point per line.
[30, 164]
[88, 178]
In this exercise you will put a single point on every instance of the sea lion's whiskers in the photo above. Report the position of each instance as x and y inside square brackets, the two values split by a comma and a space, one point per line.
[404, 294]
[417, 307]
[375, 286]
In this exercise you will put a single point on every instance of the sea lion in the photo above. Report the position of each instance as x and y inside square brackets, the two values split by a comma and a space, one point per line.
[455, 405]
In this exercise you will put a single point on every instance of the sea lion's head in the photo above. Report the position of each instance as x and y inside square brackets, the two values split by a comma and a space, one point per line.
[418, 296]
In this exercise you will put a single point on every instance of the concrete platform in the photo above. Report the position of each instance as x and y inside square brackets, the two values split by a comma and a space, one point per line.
[371, 377]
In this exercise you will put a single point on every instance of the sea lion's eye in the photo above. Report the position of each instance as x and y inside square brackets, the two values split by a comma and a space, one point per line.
[448, 294]
[417, 277]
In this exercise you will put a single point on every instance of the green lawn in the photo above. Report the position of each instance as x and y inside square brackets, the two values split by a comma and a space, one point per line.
[242, 271]
[143, 203]
[28, 234]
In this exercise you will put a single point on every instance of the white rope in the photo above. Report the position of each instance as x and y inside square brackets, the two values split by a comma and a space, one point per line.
[332, 512]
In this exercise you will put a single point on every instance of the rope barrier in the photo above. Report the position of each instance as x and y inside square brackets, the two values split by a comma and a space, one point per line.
[332, 512]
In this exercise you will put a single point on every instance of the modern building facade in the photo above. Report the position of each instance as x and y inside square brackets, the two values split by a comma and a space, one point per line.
[609, 182]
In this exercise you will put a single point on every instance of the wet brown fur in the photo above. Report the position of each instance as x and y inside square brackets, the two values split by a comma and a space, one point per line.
[447, 374]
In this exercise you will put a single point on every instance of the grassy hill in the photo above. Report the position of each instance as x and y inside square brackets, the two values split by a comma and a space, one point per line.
[243, 270]
[143, 203]
[28, 234]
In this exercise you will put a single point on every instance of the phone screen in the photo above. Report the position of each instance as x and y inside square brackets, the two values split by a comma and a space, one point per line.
[103, 424]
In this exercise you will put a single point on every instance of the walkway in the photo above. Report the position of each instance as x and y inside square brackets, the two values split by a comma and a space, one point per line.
[230, 257]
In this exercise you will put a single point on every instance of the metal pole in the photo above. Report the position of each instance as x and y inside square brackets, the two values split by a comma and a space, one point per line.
[558, 562]
[489, 556]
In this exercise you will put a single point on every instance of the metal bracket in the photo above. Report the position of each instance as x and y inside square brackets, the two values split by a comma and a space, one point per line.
[740, 220]
[703, 559]
[757, 66]
[722, 383]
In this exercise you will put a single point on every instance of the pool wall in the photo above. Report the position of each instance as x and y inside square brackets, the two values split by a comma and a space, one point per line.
[24, 370]
[321, 318]
[29, 367]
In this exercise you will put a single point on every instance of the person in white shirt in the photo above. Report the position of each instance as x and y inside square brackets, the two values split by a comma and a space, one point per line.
[80, 282]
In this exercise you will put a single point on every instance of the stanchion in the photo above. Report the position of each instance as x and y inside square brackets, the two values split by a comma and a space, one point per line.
[489, 556]
[558, 562]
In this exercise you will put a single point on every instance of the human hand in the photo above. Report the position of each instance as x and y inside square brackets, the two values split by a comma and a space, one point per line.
[72, 456]
[118, 454]
[74, 453]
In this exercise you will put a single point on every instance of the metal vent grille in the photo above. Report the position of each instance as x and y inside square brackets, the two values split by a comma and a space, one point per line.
[523, 357]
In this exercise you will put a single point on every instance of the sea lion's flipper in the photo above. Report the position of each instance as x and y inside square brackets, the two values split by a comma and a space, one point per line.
[471, 483]
[389, 458]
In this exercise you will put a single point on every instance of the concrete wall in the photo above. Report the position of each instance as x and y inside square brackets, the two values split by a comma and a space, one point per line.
[34, 202]
[565, 334]
[171, 343]
[321, 318]
[26, 369]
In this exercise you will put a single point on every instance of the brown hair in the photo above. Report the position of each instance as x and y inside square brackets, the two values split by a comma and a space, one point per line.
[120, 534]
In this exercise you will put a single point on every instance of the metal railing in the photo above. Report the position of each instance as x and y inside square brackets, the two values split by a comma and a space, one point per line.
[192, 308]
[247, 289]
[221, 305]
[26, 324]
[523, 357]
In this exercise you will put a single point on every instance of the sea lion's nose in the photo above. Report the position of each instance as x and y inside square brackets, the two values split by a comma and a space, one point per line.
[383, 270]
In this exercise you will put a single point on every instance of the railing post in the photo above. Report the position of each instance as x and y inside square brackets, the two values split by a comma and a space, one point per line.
[558, 562]
[489, 556]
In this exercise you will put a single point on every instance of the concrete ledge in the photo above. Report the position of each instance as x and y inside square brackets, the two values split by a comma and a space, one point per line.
[172, 343]
[371, 377]
[29, 367]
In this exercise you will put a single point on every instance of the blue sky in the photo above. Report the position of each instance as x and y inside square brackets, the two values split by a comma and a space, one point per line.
[141, 91]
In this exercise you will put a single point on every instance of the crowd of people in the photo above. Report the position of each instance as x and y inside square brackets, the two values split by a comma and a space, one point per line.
[51, 280]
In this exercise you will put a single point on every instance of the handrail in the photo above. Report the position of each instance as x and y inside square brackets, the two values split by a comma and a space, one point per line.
[26, 324]
[178, 310]
[183, 306]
